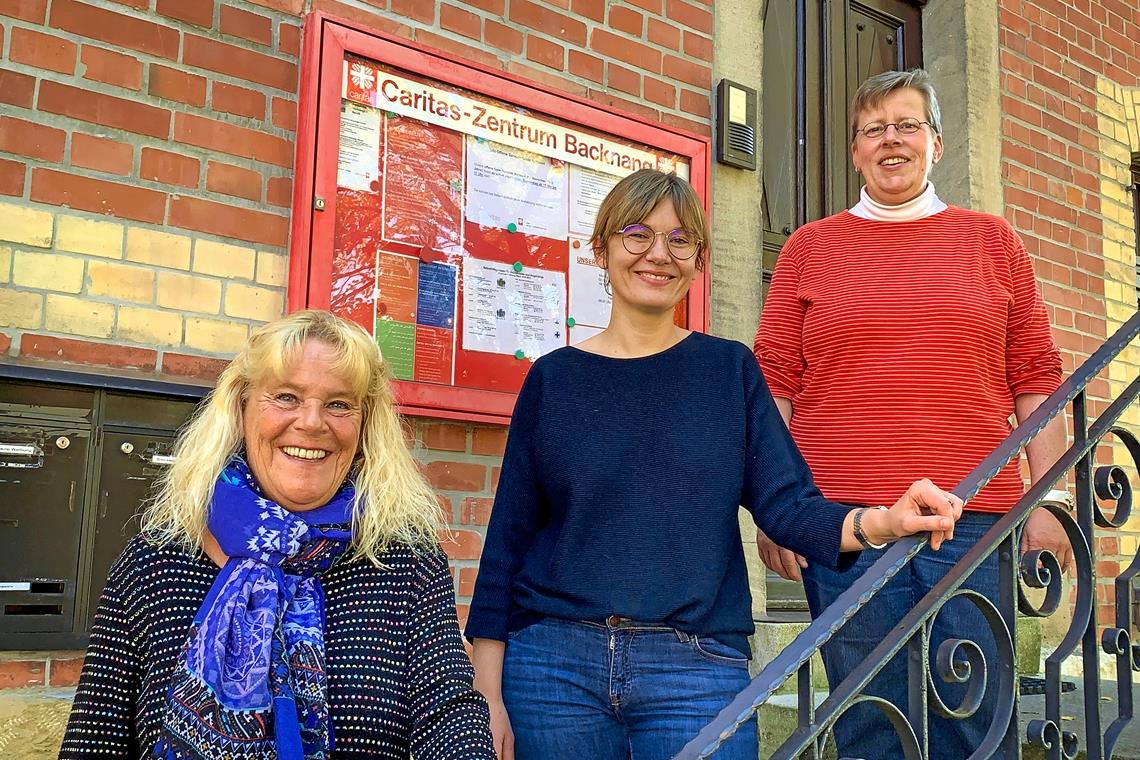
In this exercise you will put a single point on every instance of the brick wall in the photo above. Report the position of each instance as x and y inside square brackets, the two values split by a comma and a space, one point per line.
[146, 151]
[1066, 69]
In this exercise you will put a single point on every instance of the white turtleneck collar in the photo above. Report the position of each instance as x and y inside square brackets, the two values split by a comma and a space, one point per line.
[924, 205]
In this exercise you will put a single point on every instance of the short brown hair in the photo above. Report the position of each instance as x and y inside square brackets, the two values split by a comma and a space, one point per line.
[635, 197]
[874, 89]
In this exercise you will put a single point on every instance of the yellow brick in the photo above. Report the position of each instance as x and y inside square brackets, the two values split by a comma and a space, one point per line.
[261, 304]
[159, 248]
[5, 263]
[29, 226]
[47, 271]
[1129, 544]
[272, 268]
[18, 309]
[215, 335]
[189, 293]
[1121, 312]
[1113, 192]
[224, 260]
[79, 316]
[1113, 291]
[120, 281]
[89, 236]
[149, 326]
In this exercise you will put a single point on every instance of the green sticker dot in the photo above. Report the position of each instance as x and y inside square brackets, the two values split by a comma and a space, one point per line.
[518, 266]
[570, 322]
[512, 227]
[520, 354]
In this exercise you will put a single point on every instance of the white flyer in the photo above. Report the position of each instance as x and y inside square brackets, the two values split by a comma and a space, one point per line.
[589, 301]
[587, 190]
[358, 164]
[515, 190]
[507, 311]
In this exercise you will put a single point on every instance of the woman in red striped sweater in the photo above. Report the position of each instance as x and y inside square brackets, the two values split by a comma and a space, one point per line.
[889, 329]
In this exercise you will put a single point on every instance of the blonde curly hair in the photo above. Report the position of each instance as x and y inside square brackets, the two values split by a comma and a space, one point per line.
[394, 504]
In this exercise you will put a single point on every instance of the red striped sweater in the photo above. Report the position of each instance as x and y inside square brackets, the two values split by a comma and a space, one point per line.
[902, 346]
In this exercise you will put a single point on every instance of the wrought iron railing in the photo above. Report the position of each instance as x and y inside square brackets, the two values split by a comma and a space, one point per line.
[1035, 570]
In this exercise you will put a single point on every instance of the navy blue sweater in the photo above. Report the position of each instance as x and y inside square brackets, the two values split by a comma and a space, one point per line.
[620, 490]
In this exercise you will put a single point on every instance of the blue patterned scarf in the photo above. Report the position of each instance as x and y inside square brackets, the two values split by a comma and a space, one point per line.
[251, 679]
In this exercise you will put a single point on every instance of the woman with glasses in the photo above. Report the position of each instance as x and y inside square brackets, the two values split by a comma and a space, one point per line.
[900, 336]
[611, 615]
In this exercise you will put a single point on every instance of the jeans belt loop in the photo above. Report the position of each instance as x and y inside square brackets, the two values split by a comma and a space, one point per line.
[682, 636]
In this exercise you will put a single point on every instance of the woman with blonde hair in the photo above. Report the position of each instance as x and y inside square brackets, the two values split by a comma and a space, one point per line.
[287, 596]
[612, 612]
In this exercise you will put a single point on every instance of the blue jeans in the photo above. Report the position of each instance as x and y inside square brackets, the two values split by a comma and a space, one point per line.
[624, 691]
[863, 732]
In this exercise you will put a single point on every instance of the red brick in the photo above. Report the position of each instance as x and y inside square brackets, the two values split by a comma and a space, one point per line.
[286, 6]
[26, 10]
[698, 46]
[549, 22]
[43, 51]
[228, 98]
[233, 180]
[185, 365]
[585, 66]
[112, 68]
[443, 436]
[493, 6]
[696, 103]
[461, 544]
[5, 344]
[141, 5]
[623, 79]
[289, 39]
[279, 192]
[663, 34]
[547, 77]
[17, 89]
[615, 101]
[173, 84]
[489, 441]
[456, 476]
[98, 196]
[363, 17]
[65, 670]
[196, 12]
[12, 179]
[625, 49]
[653, 6]
[414, 9]
[15, 674]
[228, 138]
[239, 62]
[687, 71]
[476, 510]
[495, 473]
[229, 221]
[100, 154]
[457, 20]
[171, 168]
[467, 576]
[689, 15]
[503, 37]
[680, 122]
[97, 108]
[86, 352]
[115, 28]
[626, 20]
[448, 45]
[283, 114]
[661, 93]
[544, 52]
[249, 26]
[592, 9]
[27, 138]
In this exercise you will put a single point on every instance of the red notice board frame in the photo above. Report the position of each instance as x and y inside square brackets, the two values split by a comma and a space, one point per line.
[326, 42]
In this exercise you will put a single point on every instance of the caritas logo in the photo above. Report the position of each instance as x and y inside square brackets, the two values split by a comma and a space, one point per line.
[362, 83]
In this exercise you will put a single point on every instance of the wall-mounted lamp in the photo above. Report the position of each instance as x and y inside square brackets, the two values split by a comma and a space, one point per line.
[735, 125]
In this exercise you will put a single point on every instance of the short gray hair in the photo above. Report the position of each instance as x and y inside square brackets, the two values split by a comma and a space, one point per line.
[874, 89]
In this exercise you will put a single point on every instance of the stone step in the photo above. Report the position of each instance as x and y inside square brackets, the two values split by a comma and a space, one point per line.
[32, 721]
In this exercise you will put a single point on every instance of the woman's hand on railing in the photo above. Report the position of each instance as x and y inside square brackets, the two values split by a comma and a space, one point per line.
[1043, 531]
[783, 562]
[924, 508]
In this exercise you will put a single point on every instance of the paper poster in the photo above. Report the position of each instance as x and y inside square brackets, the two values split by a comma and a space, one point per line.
[436, 300]
[589, 301]
[415, 317]
[516, 190]
[397, 341]
[358, 164]
[587, 190]
[508, 310]
[397, 287]
[435, 355]
[423, 185]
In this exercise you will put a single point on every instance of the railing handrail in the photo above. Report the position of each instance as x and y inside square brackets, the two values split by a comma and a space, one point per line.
[793, 657]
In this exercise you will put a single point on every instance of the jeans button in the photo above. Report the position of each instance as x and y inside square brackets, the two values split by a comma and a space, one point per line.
[613, 621]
